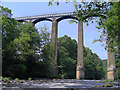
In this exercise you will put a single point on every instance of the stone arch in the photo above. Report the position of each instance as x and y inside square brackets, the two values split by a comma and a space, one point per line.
[21, 21]
[66, 17]
[41, 19]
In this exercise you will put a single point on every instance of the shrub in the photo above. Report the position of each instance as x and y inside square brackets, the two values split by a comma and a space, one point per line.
[107, 85]
[29, 78]
[19, 70]
[16, 79]
[6, 79]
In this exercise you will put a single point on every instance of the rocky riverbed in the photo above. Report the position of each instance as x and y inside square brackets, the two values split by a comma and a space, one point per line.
[57, 83]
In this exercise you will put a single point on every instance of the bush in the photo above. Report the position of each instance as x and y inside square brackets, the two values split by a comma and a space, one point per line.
[16, 79]
[6, 79]
[29, 78]
[19, 70]
[8, 72]
[107, 85]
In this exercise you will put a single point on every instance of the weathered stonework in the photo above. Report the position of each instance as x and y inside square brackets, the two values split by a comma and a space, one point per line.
[54, 45]
[80, 72]
[80, 61]
[111, 75]
[111, 67]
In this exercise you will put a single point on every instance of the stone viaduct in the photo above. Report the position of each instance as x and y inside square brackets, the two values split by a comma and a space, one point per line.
[55, 18]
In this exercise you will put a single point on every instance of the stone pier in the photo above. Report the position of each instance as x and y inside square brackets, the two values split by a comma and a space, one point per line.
[54, 45]
[30, 21]
[111, 67]
[80, 61]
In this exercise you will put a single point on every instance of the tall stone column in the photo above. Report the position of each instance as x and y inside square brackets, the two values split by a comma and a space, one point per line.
[80, 61]
[54, 45]
[111, 67]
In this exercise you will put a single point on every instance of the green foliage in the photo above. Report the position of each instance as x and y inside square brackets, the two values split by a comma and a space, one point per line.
[6, 79]
[67, 61]
[29, 78]
[1, 77]
[69, 43]
[66, 64]
[109, 80]
[112, 25]
[19, 70]
[107, 85]
[16, 79]
[93, 65]
[21, 46]
[104, 63]
[118, 68]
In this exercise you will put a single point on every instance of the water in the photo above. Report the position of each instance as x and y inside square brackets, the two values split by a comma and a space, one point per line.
[55, 83]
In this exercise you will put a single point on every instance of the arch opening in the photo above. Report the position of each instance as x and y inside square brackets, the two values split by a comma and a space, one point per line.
[44, 24]
[41, 19]
[65, 30]
[66, 17]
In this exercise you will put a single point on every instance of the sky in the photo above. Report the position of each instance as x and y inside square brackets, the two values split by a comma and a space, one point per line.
[90, 32]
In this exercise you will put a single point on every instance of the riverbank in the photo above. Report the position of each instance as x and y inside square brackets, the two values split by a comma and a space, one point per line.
[58, 83]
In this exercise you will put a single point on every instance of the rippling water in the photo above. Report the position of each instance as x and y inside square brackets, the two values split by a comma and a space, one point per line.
[53, 83]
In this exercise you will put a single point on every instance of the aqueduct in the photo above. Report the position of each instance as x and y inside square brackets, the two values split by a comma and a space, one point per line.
[55, 18]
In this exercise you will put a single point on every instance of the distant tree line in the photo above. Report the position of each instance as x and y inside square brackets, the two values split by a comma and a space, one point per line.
[26, 53]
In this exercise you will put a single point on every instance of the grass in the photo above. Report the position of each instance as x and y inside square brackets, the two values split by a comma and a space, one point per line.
[107, 80]
[110, 80]
[6, 79]
[107, 85]
[29, 78]
[18, 80]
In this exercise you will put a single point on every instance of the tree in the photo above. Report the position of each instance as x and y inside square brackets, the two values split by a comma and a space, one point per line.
[112, 25]
[69, 44]
[67, 54]
[9, 33]
[107, 15]
[104, 62]
[67, 63]
[93, 65]
[21, 49]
